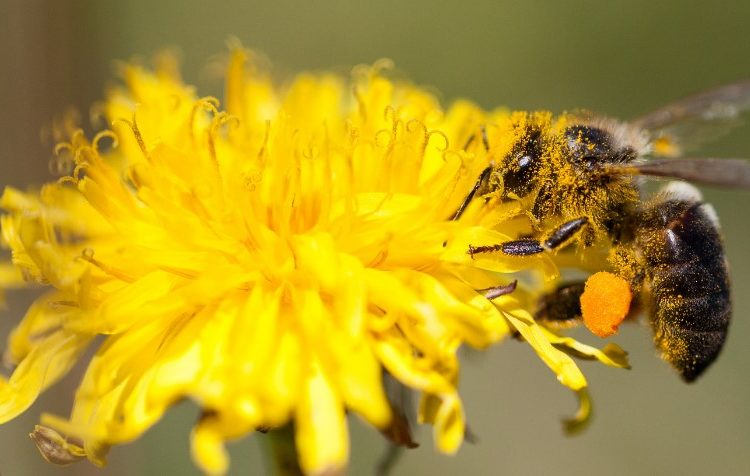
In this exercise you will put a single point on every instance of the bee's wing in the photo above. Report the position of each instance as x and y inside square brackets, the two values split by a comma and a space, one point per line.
[691, 121]
[722, 172]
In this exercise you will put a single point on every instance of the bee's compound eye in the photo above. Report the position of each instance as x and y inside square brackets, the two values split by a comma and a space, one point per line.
[521, 166]
[525, 162]
[588, 143]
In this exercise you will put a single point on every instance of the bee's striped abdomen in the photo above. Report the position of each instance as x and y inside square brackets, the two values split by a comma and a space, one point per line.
[687, 276]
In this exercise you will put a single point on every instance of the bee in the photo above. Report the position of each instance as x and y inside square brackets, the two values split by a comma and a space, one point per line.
[579, 179]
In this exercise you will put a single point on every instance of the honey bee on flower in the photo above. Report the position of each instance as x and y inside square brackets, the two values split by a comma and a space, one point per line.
[575, 177]
[275, 256]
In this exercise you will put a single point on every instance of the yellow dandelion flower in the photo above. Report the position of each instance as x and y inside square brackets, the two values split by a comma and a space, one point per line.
[269, 261]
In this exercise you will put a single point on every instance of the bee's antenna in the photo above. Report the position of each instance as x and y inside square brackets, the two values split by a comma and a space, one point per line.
[485, 139]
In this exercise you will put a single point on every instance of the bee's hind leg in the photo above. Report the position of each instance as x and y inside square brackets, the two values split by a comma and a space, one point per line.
[562, 305]
[559, 308]
[531, 246]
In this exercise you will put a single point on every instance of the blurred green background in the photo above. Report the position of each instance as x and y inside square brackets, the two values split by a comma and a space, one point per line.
[620, 58]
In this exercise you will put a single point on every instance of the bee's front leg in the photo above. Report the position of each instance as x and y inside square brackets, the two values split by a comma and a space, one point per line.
[482, 182]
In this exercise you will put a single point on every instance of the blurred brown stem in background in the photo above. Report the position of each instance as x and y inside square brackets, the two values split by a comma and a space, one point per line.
[47, 65]
[282, 452]
[46, 69]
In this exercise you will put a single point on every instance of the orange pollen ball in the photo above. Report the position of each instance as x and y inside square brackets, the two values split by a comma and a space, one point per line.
[605, 302]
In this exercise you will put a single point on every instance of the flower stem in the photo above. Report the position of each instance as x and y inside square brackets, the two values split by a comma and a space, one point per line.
[283, 452]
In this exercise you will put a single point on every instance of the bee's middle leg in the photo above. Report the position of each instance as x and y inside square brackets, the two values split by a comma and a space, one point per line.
[531, 246]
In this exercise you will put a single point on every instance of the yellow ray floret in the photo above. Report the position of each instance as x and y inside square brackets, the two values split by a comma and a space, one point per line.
[270, 262]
